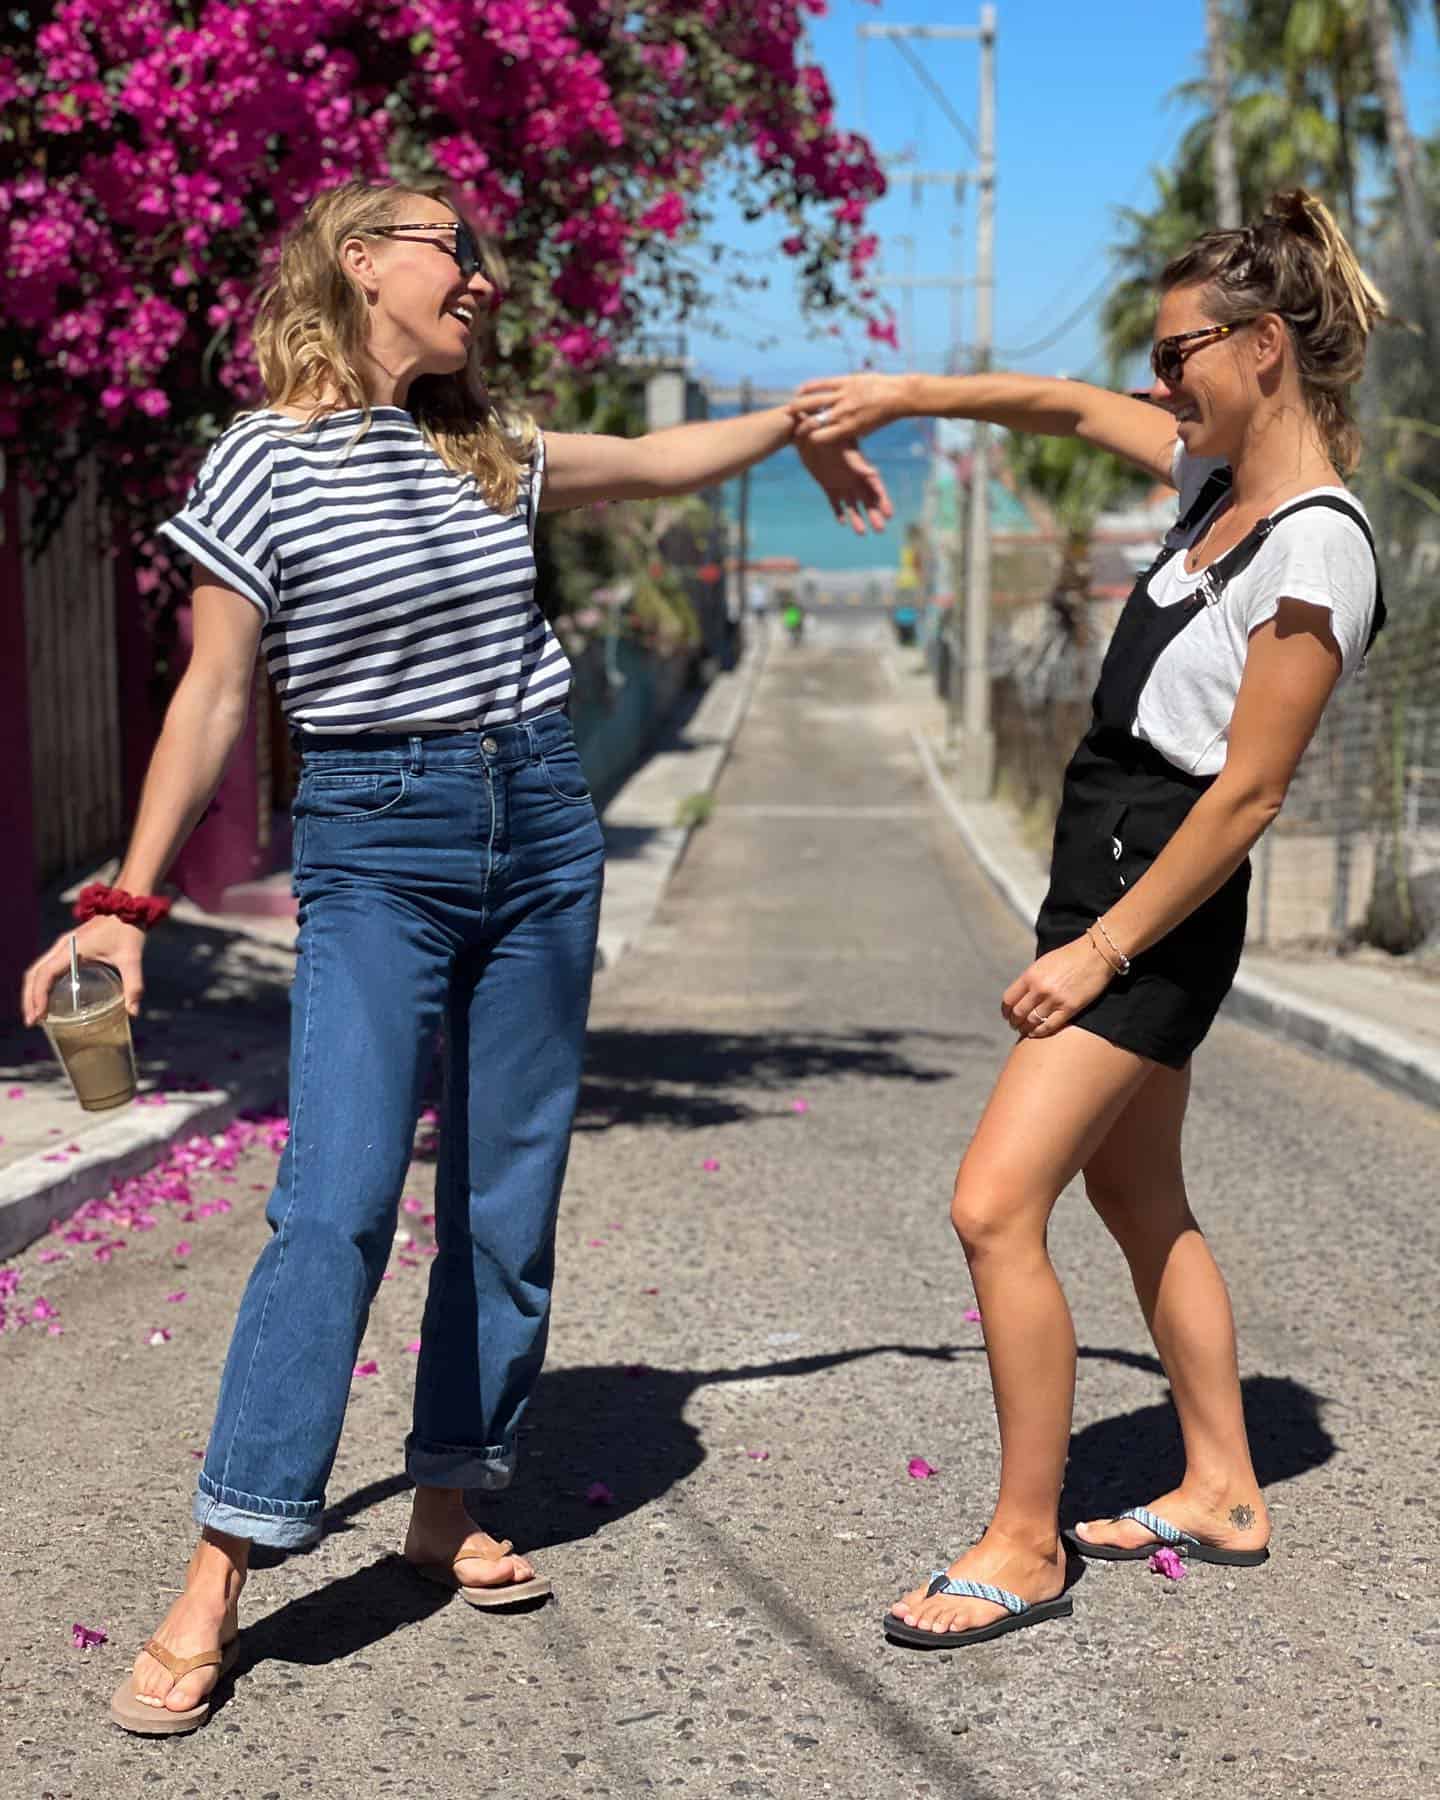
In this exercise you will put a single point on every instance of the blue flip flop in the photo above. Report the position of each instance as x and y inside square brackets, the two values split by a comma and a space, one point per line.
[1019, 1613]
[1168, 1537]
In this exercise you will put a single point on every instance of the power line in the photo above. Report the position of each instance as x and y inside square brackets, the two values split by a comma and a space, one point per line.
[937, 93]
[1087, 305]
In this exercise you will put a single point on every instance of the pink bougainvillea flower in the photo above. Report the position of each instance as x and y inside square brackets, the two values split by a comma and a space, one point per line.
[972, 1315]
[413, 1347]
[42, 1309]
[175, 1298]
[54, 1331]
[800, 1106]
[160, 1335]
[594, 1243]
[597, 1494]
[412, 1205]
[53, 1256]
[758, 1455]
[86, 1637]
[367, 1368]
[182, 1249]
[18, 1093]
[1166, 1562]
[710, 1164]
[919, 1470]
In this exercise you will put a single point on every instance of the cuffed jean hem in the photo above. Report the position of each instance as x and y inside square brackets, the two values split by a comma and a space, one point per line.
[280, 1524]
[459, 1465]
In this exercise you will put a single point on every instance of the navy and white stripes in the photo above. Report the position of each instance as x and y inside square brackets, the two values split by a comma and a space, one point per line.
[394, 597]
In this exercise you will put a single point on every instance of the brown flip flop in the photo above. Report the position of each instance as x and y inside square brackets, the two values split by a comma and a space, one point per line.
[511, 1594]
[132, 1713]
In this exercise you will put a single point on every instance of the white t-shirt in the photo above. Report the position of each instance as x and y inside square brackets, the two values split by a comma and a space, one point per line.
[1319, 556]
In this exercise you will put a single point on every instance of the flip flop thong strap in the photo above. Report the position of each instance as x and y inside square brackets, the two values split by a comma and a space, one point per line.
[503, 1549]
[1157, 1527]
[181, 1666]
[976, 1590]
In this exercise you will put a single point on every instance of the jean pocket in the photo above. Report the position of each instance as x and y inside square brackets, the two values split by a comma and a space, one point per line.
[564, 775]
[350, 799]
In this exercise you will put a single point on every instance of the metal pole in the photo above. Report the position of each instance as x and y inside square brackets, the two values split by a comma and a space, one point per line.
[977, 767]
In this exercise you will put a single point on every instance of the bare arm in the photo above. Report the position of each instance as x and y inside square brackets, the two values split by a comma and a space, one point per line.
[582, 467]
[1291, 669]
[203, 721]
[856, 404]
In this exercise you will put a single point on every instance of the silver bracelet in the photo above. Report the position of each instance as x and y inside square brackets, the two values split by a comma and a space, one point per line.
[1124, 963]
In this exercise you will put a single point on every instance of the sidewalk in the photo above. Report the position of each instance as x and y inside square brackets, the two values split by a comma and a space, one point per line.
[213, 1039]
[1373, 1012]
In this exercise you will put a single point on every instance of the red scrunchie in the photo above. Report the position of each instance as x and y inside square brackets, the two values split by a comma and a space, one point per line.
[97, 900]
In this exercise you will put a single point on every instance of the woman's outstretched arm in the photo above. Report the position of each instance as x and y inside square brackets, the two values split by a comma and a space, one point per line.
[583, 467]
[849, 406]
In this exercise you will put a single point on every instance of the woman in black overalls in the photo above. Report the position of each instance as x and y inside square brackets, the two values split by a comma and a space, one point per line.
[1260, 334]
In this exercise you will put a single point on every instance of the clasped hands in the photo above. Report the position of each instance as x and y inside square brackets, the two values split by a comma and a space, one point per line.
[831, 415]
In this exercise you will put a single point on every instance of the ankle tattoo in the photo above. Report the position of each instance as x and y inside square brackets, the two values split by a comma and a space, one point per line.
[1242, 1517]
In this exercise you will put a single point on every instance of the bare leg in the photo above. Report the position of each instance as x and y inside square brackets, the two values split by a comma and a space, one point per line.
[1137, 1186]
[203, 1618]
[1054, 1103]
[441, 1531]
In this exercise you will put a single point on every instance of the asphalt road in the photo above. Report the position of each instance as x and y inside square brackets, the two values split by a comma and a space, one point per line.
[747, 1356]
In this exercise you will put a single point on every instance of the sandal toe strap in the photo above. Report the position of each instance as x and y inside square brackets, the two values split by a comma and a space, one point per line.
[976, 1590]
[1156, 1526]
[503, 1549]
[178, 1667]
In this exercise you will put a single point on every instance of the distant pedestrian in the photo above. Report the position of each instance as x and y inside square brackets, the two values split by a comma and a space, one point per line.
[1264, 597]
[372, 527]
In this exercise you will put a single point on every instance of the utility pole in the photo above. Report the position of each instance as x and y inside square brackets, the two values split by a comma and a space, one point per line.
[969, 698]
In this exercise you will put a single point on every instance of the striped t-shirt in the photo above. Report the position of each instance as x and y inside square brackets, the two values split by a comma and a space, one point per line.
[394, 597]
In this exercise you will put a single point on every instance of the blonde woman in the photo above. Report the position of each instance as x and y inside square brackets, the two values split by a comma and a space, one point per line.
[371, 528]
[1264, 598]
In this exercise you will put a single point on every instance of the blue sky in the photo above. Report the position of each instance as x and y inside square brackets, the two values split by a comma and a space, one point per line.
[1082, 117]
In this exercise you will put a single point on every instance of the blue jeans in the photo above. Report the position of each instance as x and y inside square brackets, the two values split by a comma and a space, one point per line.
[445, 882]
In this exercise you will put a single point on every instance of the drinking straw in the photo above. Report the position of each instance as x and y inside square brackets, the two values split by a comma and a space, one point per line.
[74, 974]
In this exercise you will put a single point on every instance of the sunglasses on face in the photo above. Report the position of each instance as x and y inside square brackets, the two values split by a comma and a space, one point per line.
[464, 249]
[1169, 355]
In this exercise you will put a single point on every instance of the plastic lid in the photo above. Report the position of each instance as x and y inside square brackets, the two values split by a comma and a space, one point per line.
[98, 987]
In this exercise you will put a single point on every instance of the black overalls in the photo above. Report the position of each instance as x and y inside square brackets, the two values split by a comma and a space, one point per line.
[1123, 802]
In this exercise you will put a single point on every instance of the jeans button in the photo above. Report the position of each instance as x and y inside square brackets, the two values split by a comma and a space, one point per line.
[489, 746]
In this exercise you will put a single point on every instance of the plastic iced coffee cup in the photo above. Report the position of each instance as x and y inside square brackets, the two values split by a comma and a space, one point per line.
[89, 1030]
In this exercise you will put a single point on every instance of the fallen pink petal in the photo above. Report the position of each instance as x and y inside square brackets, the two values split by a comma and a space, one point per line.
[160, 1335]
[175, 1298]
[18, 1093]
[800, 1106]
[594, 1243]
[710, 1164]
[182, 1249]
[919, 1470]
[597, 1494]
[758, 1455]
[42, 1309]
[52, 1256]
[649, 1290]
[413, 1347]
[54, 1331]
[367, 1368]
[84, 1637]
[972, 1315]
[1168, 1563]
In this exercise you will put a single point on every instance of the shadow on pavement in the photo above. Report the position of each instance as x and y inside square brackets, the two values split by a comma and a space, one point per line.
[651, 1077]
[1128, 1460]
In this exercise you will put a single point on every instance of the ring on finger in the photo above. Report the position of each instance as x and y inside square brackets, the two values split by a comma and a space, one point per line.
[822, 415]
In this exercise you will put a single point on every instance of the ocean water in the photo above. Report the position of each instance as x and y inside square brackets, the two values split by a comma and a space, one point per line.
[789, 516]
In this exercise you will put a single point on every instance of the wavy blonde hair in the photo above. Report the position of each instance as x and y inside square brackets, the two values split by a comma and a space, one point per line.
[312, 324]
[1295, 261]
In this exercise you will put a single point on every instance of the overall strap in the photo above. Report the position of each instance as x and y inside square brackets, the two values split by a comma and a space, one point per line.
[1213, 489]
[1227, 567]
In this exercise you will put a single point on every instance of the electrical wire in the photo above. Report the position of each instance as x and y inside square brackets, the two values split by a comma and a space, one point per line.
[937, 93]
[1018, 351]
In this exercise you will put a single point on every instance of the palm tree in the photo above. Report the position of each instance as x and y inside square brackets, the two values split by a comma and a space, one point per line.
[1420, 236]
[1227, 183]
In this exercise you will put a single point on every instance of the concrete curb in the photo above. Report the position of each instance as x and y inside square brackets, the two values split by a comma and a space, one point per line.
[35, 1191]
[1384, 1055]
[648, 802]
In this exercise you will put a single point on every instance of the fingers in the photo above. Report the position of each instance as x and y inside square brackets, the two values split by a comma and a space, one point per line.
[39, 978]
[817, 384]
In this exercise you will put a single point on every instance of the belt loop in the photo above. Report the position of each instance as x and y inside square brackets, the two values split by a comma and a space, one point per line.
[417, 755]
[532, 741]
